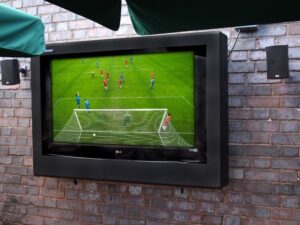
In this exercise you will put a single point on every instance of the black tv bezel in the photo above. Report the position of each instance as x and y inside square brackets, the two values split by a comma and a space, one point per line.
[164, 170]
[133, 152]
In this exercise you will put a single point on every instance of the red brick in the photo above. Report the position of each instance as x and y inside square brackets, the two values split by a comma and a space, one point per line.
[206, 207]
[89, 218]
[233, 209]
[236, 173]
[241, 162]
[33, 200]
[262, 175]
[22, 151]
[114, 210]
[291, 202]
[262, 200]
[290, 89]
[54, 193]
[289, 176]
[262, 150]
[135, 200]
[129, 221]
[195, 218]
[239, 113]
[262, 163]
[156, 214]
[68, 215]
[14, 170]
[240, 186]
[208, 195]
[294, 28]
[255, 221]
[27, 161]
[293, 164]
[51, 183]
[260, 138]
[52, 203]
[179, 216]
[5, 160]
[233, 197]
[262, 212]
[186, 205]
[263, 102]
[33, 220]
[69, 204]
[32, 181]
[261, 126]
[15, 189]
[69, 184]
[211, 219]
[133, 211]
[49, 212]
[282, 214]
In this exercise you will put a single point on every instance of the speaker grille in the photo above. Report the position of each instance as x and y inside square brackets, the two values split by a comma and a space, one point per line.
[10, 72]
[277, 62]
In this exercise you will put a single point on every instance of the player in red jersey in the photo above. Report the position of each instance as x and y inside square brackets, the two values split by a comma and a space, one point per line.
[152, 75]
[120, 81]
[105, 84]
[167, 121]
[126, 62]
[107, 76]
[101, 72]
[152, 80]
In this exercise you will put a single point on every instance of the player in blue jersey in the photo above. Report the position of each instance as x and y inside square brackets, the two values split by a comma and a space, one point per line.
[152, 83]
[87, 104]
[77, 99]
[122, 77]
[131, 59]
[93, 75]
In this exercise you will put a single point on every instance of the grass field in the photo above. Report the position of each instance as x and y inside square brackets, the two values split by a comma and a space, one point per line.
[173, 90]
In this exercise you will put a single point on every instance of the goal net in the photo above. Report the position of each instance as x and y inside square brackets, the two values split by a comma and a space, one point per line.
[120, 127]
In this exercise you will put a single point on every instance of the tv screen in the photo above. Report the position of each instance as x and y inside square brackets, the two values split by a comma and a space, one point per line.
[125, 100]
[143, 109]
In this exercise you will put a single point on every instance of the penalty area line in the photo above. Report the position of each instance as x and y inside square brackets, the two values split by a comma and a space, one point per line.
[132, 97]
[187, 101]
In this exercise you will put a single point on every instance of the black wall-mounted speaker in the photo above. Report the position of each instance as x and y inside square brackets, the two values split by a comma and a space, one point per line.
[10, 72]
[277, 62]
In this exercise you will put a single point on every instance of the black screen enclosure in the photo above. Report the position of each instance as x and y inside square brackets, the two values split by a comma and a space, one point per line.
[205, 164]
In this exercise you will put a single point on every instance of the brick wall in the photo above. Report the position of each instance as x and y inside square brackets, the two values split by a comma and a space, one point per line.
[264, 139]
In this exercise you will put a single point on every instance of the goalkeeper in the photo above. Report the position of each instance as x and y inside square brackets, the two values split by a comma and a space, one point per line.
[126, 119]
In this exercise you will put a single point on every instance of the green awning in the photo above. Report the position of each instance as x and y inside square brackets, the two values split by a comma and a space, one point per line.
[164, 16]
[156, 16]
[104, 12]
[21, 34]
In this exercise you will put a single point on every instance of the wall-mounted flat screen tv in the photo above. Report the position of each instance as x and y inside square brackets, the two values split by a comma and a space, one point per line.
[126, 100]
[153, 100]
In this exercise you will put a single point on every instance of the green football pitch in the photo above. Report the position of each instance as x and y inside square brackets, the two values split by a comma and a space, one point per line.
[147, 106]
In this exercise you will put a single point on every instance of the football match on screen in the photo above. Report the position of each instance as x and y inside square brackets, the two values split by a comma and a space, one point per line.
[127, 100]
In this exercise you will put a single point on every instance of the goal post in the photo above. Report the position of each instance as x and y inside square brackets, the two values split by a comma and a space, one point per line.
[144, 120]
[162, 121]
[120, 126]
[76, 116]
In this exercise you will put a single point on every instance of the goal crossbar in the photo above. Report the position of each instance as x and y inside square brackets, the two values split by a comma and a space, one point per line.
[118, 110]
